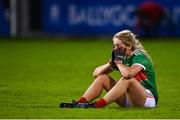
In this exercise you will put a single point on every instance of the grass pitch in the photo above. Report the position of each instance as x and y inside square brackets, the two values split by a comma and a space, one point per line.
[36, 75]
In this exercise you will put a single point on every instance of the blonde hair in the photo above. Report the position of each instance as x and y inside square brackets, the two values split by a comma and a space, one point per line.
[129, 39]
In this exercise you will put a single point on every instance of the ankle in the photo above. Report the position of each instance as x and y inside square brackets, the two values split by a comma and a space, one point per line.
[101, 103]
[82, 100]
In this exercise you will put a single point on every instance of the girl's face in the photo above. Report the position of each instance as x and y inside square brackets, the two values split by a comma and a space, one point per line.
[118, 44]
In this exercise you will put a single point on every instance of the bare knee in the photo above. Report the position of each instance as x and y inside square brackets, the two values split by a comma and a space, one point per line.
[128, 82]
[106, 81]
[124, 80]
[102, 78]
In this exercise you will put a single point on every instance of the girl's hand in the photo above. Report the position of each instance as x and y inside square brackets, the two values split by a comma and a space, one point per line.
[119, 55]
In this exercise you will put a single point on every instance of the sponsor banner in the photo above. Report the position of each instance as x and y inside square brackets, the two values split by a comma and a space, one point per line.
[104, 17]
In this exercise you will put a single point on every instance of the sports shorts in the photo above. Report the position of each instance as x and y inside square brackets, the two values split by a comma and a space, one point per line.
[150, 100]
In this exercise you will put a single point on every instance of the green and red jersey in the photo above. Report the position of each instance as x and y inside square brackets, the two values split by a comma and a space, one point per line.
[147, 75]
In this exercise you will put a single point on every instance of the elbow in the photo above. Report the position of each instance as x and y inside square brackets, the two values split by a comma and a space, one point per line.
[96, 73]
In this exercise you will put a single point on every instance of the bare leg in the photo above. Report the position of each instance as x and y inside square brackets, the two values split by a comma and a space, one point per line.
[136, 93]
[122, 99]
[133, 88]
[96, 88]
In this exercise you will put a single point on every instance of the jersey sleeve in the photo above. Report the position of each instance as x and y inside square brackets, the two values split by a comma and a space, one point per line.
[141, 60]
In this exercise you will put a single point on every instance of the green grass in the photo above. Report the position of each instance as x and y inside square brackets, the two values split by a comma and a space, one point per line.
[36, 75]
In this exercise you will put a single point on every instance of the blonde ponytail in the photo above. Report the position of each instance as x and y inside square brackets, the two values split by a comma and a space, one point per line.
[140, 47]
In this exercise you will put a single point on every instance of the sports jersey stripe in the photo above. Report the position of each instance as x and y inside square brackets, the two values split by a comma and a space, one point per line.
[149, 94]
[140, 65]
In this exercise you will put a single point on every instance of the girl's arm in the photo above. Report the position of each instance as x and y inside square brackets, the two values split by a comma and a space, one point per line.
[104, 69]
[129, 72]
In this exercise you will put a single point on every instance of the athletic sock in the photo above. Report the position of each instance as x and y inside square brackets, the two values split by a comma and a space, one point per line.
[82, 100]
[101, 103]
